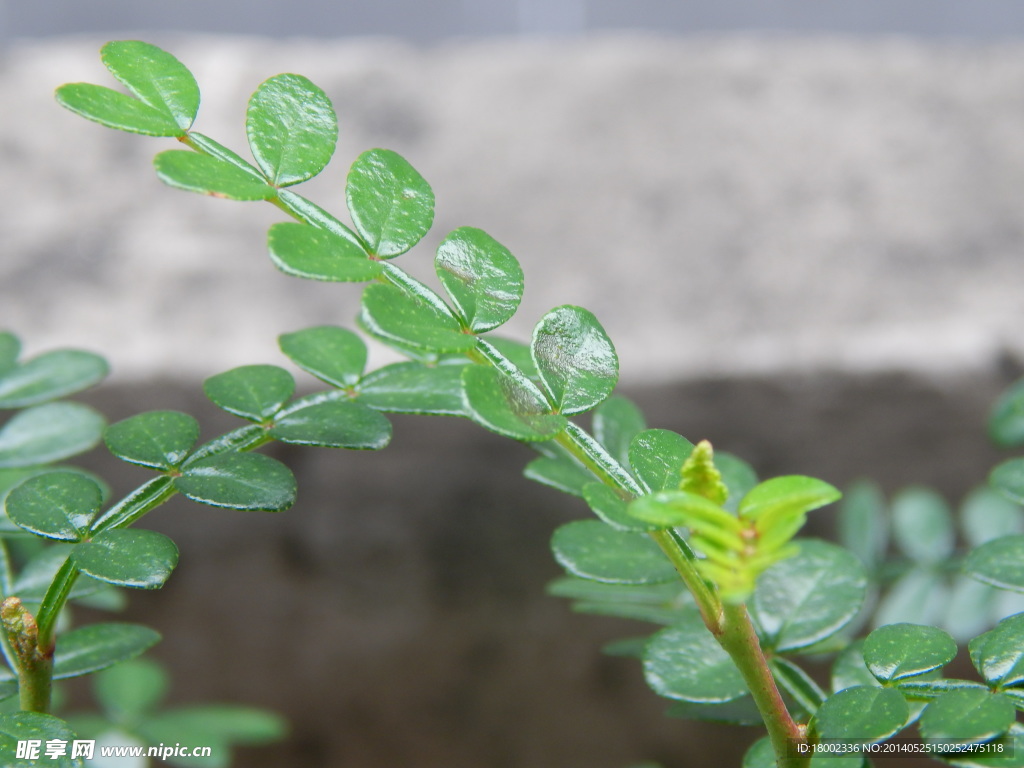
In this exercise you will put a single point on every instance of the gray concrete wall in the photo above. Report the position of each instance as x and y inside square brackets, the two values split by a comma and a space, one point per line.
[808, 251]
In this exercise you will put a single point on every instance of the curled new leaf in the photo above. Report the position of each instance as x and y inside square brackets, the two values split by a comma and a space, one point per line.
[292, 129]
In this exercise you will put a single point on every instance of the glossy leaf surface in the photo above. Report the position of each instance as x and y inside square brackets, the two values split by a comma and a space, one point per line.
[303, 251]
[657, 457]
[207, 175]
[391, 205]
[686, 662]
[967, 716]
[292, 129]
[254, 392]
[592, 550]
[333, 424]
[248, 481]
[47, 433]
[922, 525]
[116, 110]
[155, 77]
[57, 505]
[482, 276]
[393, 315]
[616, 422]
[50, 376]
[33, 726]
[127, 557]
[156, 439]
[332, 354]
[862, 714]
[414, 388]
[999, 562]
[98, 646]
[898, 651]
[998, 654]
[809, 597]
[575, 358]
[506, 406]
[611, 508]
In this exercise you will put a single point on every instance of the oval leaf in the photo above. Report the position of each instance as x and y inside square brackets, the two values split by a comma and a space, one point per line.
[254, 392]
[415, 388]
[482, 276]
[394, 316]
[48, 433]
[657, 457]
[999, 653]
[155, 77]
[898, 651]
[808, 597]
[333, 424]
[592, 550]
[786, 496]
[686, 662]
[98, 646]
[616, 422]
[248, 481]
[863, 714]
[575, 358]
[999, 562]
[987, 515]
[561, 473]
[50, 376]
[208, 175]
[391, 205]
[300, 250]
[863, 524]
[127, 557]
[332, 354]
[922, 525]
[292, 129]
[157, 439]
[966, 716]
[16, 727]
[611, 508]
[116, 110]
[506, 406]
[58, 505]
[131, 688]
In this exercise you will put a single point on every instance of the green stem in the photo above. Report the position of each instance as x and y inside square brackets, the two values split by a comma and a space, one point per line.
[53, 601]
[33, 655]
[738, 638]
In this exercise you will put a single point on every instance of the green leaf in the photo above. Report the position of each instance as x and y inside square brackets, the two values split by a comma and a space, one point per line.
[561, 474]
[657, 603]
[303, 251]
[224, 722]
[127, 557]
[131, 689]
[672, 509]
[741, 711]
[796, 684]
[657, 457]
[970, 608]
[33, 726]
[116, 110]
[254, 392]
[1006, 421]
[98, 646]
[849, 669]
[156, 439]
[898, 651]
[782, 497]
[391, 205]
[517, 353]
[999, 653]
[966, 716]
[809, 597]
[292, 129]
[1008, 479]
[332, 354]
[207, 146]
[616, 422]
[415, 388]
[10, 348]
[155, 78]
[611, 508]
[922, 525]
[760, 755]
[863, 714]
[686, 662]
[482, 276]
[987, 515]
[50, 376]
[863, 526]
[508, 407]
[48, 433]
[208, 175]
[999, 562]
[248, 481]
[392, 315]
[739, 478]
[57, 505]
[576, 360]
[592, 550]
[918, 596]
[333, 424]
[38, 573]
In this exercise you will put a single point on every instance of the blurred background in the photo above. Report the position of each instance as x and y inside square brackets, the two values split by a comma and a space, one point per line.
[802, 223]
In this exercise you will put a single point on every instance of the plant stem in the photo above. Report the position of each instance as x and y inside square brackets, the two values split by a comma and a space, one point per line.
[33, 655]
[738, 638]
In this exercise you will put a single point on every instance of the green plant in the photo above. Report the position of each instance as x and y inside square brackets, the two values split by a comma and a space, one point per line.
[684, 537]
